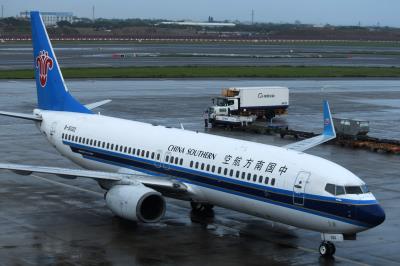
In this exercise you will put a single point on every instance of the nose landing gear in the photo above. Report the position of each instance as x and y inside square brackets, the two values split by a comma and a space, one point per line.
[327, 249]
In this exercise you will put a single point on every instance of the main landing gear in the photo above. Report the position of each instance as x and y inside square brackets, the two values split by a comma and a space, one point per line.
[327, 249]
[201, 207]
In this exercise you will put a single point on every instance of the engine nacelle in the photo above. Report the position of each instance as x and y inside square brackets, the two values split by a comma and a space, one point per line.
[136, 203]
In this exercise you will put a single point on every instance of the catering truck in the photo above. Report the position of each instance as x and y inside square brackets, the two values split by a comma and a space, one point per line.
[246, 104]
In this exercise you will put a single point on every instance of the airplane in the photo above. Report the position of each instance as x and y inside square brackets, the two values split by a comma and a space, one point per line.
[140, 164]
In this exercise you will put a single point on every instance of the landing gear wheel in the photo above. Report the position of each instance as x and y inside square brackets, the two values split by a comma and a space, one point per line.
[200, 207]
[327, 249]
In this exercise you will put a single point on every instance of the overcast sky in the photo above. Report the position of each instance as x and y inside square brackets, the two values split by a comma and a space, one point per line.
[337, 12]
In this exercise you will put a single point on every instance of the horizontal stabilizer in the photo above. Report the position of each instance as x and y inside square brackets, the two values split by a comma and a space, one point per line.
[22, 116]
[91, 106]
[328, 133]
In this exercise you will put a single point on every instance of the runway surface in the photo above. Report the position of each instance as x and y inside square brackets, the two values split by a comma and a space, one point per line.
[46, 220]
[19, 56]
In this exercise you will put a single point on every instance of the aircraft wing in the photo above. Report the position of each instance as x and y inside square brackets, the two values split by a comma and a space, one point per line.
[328, 134]
[68, 173]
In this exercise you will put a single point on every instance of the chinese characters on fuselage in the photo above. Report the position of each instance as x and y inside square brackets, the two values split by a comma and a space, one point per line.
[249, 163]
[237, 161]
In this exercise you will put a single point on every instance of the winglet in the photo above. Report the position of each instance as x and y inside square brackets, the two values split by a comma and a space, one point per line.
[328, 133]
[329, 129]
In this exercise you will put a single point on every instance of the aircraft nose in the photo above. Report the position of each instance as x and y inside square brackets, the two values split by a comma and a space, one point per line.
[378, 216]
[374, 215]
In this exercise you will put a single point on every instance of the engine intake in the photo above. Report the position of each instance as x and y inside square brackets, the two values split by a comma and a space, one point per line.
[136, 203]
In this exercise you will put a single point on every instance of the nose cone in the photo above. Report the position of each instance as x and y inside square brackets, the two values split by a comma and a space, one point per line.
[373, 215]
[378, 216]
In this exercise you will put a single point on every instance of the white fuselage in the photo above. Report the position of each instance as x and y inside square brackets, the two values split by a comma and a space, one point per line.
[221, 171]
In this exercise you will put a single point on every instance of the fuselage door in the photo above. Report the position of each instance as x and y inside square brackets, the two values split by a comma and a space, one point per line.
[299, 187]
[52, 132]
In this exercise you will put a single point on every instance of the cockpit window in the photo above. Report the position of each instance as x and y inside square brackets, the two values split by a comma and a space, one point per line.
[364, 188]
[341, 190]
[353, 190]
[330, 188]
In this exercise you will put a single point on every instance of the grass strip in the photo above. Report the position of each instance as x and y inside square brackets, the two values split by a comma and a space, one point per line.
[215, 72]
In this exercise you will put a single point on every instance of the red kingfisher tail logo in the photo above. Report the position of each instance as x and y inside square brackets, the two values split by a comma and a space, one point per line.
[44, 63]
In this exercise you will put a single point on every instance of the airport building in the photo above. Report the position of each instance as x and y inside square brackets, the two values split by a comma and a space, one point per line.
[51, 18]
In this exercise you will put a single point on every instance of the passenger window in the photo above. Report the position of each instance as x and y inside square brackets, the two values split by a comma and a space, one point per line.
[231, 172]
[266, 180]
[272, 181]
[176, 160]
[147, 154]
[152, 155]
[121, 148]
[237, 174]
[202, 166]
[158, 156]
[108, 145]
[138, 152]
[254, 178]
[191, 164]
[133, 151]
[116, 147]
[248, 176]
[196, 165]
[213, 168]
[225, 171]
[167, 158]
[330, 188]
[340, 190]
[243, 175]
[80, 139]
[130, 149]
[172, 159]
[142, 153]
[219, 170]
[62, 136]
[87, 141]
[181, 161]
[208, 167]
[125, 149]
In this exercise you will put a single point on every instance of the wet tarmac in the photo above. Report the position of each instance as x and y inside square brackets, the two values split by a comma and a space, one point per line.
[19, 56]
[46, 220]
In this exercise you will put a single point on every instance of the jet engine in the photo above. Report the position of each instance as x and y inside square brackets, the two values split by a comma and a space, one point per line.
[136, 203]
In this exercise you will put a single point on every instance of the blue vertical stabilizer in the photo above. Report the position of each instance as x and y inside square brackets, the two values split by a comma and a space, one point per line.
[52, 93]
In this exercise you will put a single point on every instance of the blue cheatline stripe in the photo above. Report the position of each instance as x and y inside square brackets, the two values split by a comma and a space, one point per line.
[222, 178]
[337, 211]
